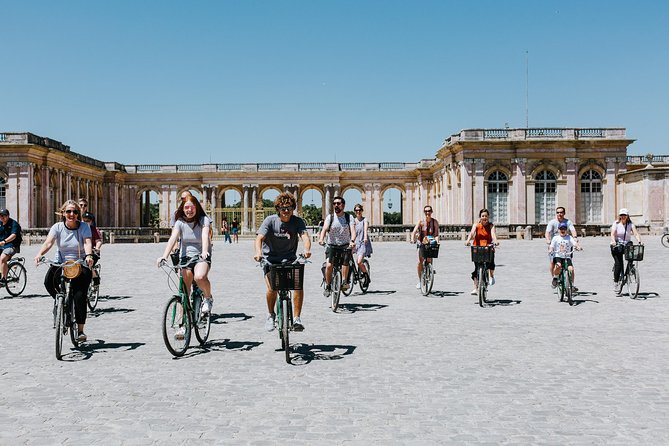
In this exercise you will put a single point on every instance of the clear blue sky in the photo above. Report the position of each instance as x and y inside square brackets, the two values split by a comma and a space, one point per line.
[314, 80]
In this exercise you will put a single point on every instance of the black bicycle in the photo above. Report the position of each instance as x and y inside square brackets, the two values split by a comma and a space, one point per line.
[357, 277]
[339, 255]
[565, 282]
[64, 319]
[427, 252]
[94, 288]
[629, 276]
[482, 255]
[665, 240]
[16, 276]
[284, 278]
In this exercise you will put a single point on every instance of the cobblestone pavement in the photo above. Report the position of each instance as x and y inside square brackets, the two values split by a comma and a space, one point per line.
[392, 367]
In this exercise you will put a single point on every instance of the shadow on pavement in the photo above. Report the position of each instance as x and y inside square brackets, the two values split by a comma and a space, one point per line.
[576, 302]
[304, 353]
[218, 345]
[87, 349]
[100, 311]
[25, 296]
[238, 317]
[646, 295]
[114, 297]
[378, 292]
[502, 302]
[354, 308]
[445, 293]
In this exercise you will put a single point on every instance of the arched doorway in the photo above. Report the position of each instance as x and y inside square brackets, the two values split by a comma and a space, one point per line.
[149, 208]
[392, 206]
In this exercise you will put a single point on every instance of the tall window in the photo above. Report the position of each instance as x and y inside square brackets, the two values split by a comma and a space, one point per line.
[591, 197]
[498, 197]
[3, 193]
[545, 187]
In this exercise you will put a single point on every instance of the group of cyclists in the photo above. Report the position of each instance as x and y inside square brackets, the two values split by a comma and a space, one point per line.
[76, 237]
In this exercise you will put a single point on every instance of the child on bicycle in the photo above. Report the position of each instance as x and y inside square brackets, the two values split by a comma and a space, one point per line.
[561, 247]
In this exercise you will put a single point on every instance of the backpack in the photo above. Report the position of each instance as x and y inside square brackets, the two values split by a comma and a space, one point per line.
[348, 220]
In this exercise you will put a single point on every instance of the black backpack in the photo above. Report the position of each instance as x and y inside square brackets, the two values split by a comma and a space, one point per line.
[348, 220]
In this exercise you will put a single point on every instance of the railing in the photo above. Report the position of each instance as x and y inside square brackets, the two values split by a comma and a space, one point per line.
[590, 133]
[228, 166]
[534, 133]
[496, 133]
[643, 160]
[291, 167]
[189, 167]
[147, 167]
[544, 133]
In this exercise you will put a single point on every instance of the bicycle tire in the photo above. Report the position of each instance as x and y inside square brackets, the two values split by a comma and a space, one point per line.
[351, 275]
[59, 326]
[279, 320]
[431, 279]
[285, 328]
[175, 317]
[621, 282]
[93, 291]
[16, 279]
[73, 327]
[336, 290]
[202, 326]
[425, 285]
[633, 282]
[665, 240]
[569, 291]
[364, 279]
[561, 287]
[482, 287]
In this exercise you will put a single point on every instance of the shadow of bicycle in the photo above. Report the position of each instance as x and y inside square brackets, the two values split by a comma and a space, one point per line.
[88, 349]
[444, 293]
[305, 353]
[24, 296]
[645, 295]
[111, 310]
[376, 292]
[233, 317]
[354, 307]
[502, 302]
[107, 297]
[219, 345]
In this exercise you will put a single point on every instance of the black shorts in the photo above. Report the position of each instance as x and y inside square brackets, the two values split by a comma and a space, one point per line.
[557, 260]
[190, 262]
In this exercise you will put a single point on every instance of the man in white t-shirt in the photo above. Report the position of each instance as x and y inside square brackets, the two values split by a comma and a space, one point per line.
[340, 229]
[552, 231]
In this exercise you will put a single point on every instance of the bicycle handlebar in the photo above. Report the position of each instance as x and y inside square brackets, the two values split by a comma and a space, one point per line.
[300, 259]
[44, 260]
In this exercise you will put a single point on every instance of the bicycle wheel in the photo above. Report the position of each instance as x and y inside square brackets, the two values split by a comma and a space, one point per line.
[16, 279]
[633, 281]
[336, 289]
[202, 326]
[74, 328]
[285, 327]
[561, 287]
[176, 326]
[482, 287]
[279, 320]
[364, 277]
[425, 282]
[60, 326]
[351, 275]
[665, 240]
[568, 290]
[621, 282]
[93, 291]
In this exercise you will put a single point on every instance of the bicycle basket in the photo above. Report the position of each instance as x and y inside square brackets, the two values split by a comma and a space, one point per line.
[339, 256]
[634, 252]
[482, 254]
[71, 269]
[286, 277]
[429, 251]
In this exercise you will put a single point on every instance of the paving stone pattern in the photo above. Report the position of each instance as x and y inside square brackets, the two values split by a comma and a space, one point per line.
[392, 367]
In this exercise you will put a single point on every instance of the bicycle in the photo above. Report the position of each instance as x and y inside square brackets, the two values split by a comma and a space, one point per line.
[427, 252]
[629, 276]
[284, 278]
[482, 255]
[16, 276]
[94, 289]
[665, 240]
[183, 314]
[355, 276]
[565, 283]
[338, 256]
[64, 318]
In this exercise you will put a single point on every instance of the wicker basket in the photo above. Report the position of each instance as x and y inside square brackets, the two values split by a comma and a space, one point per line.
[429, 251]
[634, 252]
[286, 277]
[71, 269]
[482, 254]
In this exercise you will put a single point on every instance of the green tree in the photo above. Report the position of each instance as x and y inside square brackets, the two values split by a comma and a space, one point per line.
[392, 218]
[311, 214]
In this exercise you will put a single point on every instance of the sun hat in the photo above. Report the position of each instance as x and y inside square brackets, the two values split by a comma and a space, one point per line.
[623, 211]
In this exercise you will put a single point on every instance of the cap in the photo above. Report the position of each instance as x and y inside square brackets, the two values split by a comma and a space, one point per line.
[4, 212]
[623, 211]
[88, 215]
[563, 225]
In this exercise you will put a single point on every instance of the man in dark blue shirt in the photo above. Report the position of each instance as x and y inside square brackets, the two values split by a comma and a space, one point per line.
[10, 241]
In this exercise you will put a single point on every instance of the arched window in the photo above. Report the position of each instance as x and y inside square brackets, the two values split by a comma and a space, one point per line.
[591, 197]
[498, 197]
[545, 187]
[3, 193]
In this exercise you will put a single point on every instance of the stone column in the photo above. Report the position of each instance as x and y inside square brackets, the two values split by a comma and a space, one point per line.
[407, 204]
[245, 206]
[571, 174]
[518, 202]
[479, 186]
[376, 205]
[466, 174]
[609, 188]
[294, 190]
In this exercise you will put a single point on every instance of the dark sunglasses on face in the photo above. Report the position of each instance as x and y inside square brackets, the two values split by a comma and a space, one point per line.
[284, 209]
[72, 211]
[358, 210]
[428, 211]
[559, 213]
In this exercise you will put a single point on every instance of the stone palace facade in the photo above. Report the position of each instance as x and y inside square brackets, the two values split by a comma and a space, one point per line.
[521, 175]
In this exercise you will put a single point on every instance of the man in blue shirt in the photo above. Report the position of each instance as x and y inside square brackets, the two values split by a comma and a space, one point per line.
[10, 241]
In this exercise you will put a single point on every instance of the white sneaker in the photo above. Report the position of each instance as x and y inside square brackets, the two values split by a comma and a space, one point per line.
[474, 292]
[269, 322]
[207, 304]
[418, 286]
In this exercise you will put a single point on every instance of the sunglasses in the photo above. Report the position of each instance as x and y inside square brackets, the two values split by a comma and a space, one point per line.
[428, 211]
[358, 210]
[72, 211]
[559, 213]
[285, 209]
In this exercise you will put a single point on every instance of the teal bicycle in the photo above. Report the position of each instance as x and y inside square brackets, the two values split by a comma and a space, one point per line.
[565, 281]
[183, 314]
[284, 278]
[16, 276]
